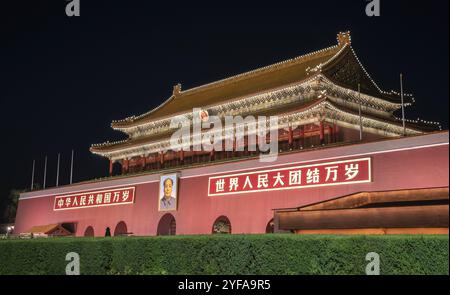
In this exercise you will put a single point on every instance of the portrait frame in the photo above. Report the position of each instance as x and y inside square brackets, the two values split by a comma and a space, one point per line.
[173, 201]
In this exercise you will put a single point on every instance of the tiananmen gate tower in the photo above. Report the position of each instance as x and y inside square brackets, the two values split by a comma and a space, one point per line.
[346, 163]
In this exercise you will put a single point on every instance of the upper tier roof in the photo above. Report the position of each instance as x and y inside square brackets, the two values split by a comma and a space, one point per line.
[269, 77]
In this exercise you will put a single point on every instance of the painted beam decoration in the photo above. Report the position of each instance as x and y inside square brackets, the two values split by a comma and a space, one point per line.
[292, 177]
[116, 196]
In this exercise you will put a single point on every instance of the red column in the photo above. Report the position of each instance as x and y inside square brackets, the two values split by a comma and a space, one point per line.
[245, 144]
[144, 162]
[110, 167]
[125, 166]
[336, 132]
[302, 136]
[181, 156]
[257, 143]
[161, 158]
[291, 136]
[331, 134]
[322, 132]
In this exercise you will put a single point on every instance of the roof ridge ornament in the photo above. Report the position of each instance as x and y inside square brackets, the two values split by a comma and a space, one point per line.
[344, 38]
[176, 90]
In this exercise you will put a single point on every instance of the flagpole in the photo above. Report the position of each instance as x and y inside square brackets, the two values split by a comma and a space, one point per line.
[45, 171]
[403, 104]
[360, 115]
[32, 175]
[71, 168]
[57, 170]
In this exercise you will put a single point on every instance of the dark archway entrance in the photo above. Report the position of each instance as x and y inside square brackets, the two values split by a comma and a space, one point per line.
[89, 232]
[167, 225]
[107, 232]
[121, 229]
[270, 228]
[222, 225]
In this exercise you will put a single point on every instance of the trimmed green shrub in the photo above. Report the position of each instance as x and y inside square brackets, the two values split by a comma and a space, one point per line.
[228, 254]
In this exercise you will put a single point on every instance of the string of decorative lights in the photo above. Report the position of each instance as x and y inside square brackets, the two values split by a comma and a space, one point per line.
[321, 110]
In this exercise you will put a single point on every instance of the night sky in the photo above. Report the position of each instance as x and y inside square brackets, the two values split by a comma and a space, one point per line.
[63, 80]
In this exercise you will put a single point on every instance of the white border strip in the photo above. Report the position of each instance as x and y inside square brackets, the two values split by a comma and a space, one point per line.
[103, 188]
[322, 159]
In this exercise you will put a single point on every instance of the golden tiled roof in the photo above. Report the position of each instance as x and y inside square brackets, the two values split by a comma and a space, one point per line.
[262, 79]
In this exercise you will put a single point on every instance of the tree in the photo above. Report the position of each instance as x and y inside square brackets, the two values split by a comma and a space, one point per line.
[9, 213]
[8, 208]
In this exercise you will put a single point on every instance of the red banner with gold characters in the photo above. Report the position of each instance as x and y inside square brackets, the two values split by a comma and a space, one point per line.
[117, 196]
[292, 177]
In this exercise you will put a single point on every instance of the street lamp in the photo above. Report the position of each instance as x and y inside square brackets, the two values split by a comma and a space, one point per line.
[9, 230]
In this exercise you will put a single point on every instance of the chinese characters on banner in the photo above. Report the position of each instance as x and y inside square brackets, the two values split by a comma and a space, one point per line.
[118, 196]
[296, 177]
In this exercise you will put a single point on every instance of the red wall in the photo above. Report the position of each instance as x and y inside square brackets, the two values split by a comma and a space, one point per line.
[418, 162]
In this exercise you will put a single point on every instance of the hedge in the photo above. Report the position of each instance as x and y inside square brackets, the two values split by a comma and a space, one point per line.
[228, 254]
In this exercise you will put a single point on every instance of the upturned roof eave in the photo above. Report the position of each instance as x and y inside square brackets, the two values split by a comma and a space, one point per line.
[116, 147]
